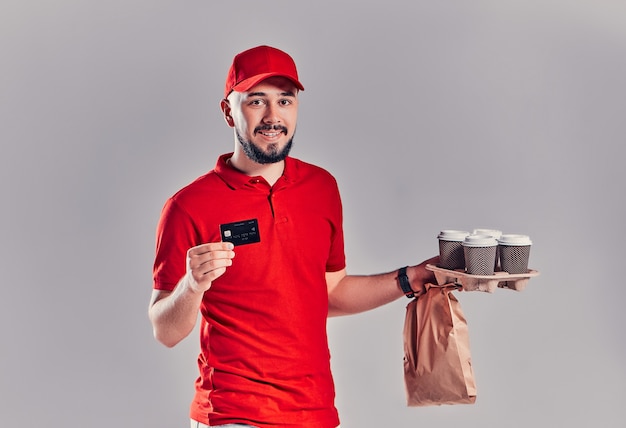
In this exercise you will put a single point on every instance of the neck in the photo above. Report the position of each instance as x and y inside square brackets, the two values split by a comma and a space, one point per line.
[271, 172]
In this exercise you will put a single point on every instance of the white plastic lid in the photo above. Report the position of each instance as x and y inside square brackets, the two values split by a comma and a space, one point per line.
[480, 241]
[511, 239]
[491, 232]
[452, 235]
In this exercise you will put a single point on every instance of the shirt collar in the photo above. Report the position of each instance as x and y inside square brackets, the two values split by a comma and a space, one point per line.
[236, 179]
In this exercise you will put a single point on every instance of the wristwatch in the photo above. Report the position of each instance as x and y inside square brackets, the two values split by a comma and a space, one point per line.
[405, 285]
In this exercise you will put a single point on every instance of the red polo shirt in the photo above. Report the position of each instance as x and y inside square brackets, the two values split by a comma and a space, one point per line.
[264, 353]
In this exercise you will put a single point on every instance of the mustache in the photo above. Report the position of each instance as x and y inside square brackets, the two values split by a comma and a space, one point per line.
[271, 128]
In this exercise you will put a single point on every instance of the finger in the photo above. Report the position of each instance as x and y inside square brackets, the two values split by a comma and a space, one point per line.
[210, 271]
[208, 261]
[211, 246]
[203, 257]
[211, 260]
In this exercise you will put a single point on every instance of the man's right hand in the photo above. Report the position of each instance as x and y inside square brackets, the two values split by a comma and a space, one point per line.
[206, 263]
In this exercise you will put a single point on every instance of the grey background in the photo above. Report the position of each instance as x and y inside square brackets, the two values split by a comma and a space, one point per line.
[431, 115]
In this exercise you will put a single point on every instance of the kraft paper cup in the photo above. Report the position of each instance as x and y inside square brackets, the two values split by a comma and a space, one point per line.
[480, 254]
[514, 252]
[451, 249]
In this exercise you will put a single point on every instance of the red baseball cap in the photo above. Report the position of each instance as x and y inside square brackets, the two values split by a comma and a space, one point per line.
[254, 65]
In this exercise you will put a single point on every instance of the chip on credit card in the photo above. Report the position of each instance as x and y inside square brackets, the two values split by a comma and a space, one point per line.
[241, 232]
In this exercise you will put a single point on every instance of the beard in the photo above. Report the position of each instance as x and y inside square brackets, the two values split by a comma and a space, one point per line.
[272, 155]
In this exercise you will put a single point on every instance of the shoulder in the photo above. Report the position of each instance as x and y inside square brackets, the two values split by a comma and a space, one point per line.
[197, 192]
[305, 170]
[201, 184]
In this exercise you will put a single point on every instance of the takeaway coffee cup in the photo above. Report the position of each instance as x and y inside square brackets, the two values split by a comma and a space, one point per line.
[514, 251]
[451, 249]
[480, 254]
[491, 232]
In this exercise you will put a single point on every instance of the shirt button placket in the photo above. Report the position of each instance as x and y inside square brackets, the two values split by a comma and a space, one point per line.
[278, 214]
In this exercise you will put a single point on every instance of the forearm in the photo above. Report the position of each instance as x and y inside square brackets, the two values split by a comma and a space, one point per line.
[354, 294]
[174, 316]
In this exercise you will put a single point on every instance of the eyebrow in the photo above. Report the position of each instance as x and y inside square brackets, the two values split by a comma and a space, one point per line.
[262, 94]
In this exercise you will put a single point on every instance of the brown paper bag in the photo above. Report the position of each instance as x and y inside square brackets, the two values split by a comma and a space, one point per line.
[437, 362]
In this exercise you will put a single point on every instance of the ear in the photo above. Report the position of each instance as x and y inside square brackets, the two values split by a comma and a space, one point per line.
[227, 111]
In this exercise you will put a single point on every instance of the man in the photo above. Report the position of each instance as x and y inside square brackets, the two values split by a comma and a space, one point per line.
[264, 358]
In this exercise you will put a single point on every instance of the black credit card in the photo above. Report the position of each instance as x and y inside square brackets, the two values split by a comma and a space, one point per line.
[241, 232]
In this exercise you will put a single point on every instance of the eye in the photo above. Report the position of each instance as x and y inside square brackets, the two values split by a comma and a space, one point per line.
[256, 102]
[285, 102]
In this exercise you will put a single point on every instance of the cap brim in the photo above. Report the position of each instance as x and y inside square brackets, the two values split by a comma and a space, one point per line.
[248, 83]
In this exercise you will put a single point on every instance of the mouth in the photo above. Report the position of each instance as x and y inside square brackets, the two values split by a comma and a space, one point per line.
[270, 134]
[270, 131]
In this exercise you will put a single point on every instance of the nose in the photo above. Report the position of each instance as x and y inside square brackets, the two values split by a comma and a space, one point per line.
[272, 115]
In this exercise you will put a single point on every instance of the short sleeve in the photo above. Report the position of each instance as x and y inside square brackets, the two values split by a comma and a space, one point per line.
[174, 236]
